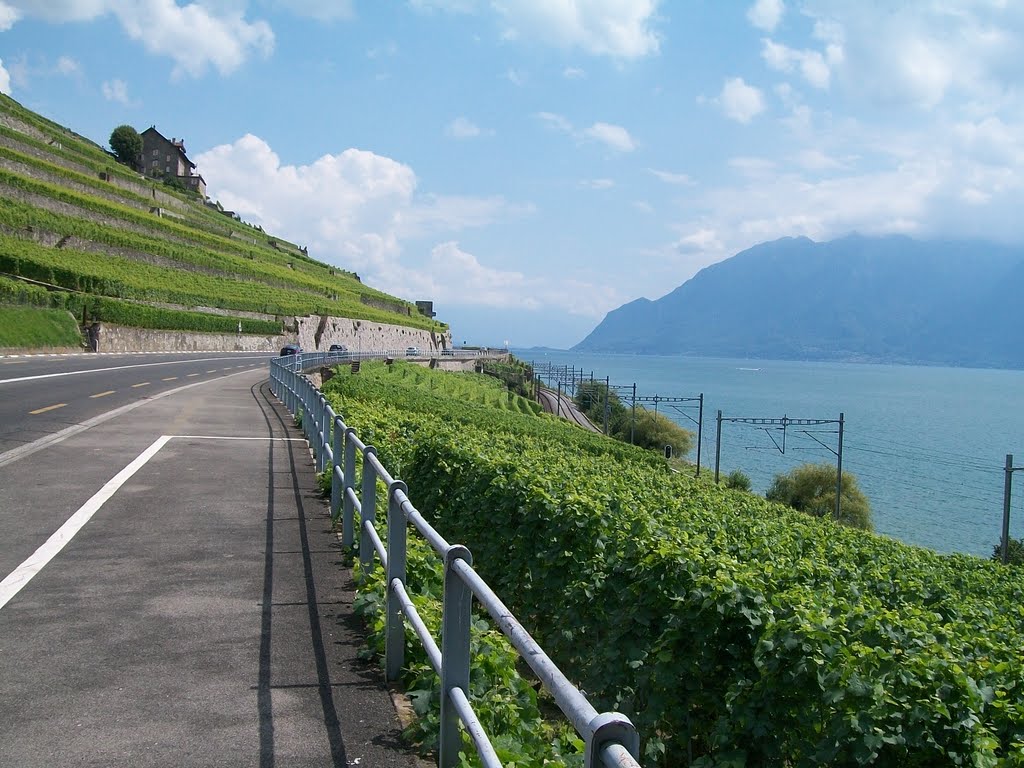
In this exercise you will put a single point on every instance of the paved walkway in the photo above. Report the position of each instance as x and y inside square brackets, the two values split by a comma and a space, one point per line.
[202, 616]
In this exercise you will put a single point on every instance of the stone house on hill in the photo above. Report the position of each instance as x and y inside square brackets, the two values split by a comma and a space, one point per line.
[163, 157]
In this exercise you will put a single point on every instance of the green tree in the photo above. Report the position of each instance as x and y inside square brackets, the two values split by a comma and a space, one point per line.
[126, 144]
[811, 488]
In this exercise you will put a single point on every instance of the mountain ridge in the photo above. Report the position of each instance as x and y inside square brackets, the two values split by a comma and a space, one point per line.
[856, 298]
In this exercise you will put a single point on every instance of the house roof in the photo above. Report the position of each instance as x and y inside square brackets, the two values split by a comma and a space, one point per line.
[178, 144]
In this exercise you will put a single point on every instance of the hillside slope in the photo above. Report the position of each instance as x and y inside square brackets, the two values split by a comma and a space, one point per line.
[857, 298]
[112, 245]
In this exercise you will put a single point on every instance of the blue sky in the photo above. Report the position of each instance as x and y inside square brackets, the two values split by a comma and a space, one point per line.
[532, 164]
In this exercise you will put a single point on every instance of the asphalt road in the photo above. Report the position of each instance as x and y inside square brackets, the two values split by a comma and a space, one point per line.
[40, 396]
[171, 591]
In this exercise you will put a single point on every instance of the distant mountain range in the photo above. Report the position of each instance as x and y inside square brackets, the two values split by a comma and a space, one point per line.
[871, 299]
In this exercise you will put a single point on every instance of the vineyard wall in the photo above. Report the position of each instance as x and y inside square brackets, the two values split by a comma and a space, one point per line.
[357, 335]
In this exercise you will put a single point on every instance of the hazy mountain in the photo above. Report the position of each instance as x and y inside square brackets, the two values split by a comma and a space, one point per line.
[856, 298]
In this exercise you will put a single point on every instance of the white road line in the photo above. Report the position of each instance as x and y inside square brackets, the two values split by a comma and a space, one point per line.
[224, 437]
[43, 442]
[24, 573]
[113, 368]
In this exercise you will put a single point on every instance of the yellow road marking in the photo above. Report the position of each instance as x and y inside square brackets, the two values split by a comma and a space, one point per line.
[169, 378]
[102, 394]
[47, 408]
[140, 384]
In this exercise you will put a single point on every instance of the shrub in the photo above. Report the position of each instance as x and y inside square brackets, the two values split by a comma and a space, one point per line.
[811, 488]
[737, 480]
[1014, 552]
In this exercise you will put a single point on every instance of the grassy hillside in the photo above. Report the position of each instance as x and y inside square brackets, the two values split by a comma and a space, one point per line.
[81, 232]
[731, 630]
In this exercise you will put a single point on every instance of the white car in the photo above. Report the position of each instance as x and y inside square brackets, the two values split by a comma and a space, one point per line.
[412, 351]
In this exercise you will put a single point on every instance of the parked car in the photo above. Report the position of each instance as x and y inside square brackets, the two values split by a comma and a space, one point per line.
[412, 351]
[290, 349]
[338, 350]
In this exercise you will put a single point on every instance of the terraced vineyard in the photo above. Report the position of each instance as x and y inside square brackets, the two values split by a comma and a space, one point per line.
[80, 232]
[731, 630]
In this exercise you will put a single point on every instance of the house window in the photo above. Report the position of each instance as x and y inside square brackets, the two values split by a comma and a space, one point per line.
[156, 153]
[167, 169]
[156, 163]
[168, 158]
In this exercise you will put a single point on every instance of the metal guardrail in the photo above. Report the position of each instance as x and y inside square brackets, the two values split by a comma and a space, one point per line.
[308, 360]
[611, 739]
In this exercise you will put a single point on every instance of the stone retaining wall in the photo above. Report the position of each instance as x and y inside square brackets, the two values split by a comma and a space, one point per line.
[367, 335]
[357, 335]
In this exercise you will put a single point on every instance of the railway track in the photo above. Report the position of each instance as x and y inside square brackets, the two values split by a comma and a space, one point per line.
[563, 406]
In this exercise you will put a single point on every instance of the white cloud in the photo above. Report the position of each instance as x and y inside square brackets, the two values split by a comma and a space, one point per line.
[321, 10]
[67, 66]
[813, 65]
[679, 179]
[618, 28]
[515, 77]
[355, 209]
[816, 160]
[116, 90]
[8, 16]
[556, 121]
[462, 128]
[192, 35]
[597, 184]
[621, 29]
[739, 101]
[766, 14]
[573, 73]
[614, 136]
[5, 80]
[455, 277]
[703, 240]
[753, 166]
[921, 55]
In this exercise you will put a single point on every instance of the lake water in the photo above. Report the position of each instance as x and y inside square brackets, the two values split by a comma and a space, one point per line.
[927, 444]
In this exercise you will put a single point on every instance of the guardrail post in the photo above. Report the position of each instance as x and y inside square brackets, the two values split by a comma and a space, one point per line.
[606, 728]
[338, 452]
[347, 507]
[456, 620]
[394, 636]
[308, 418]
[368, 510]
[323, 434]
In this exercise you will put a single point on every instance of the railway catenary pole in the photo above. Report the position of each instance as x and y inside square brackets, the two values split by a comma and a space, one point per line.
[839, 470]
[1004, 549]
[632, 423]
[700, 429]
[607, 391]
[718, 446]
